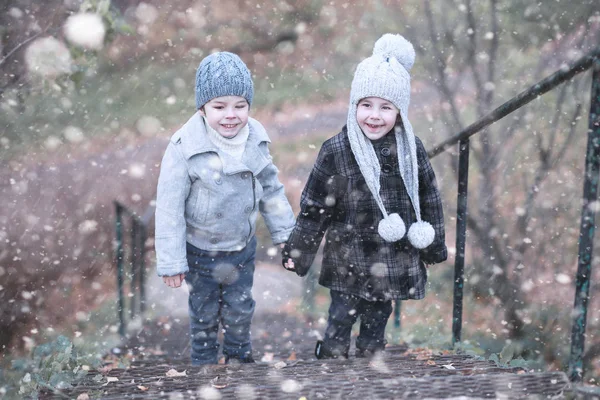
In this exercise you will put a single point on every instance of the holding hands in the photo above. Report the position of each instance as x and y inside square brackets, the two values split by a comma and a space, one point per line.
[286, 259]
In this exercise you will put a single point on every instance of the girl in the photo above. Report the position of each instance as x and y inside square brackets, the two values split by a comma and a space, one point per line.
[367, 183]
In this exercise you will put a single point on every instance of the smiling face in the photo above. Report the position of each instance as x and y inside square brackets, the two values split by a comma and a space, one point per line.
[227, 114]
[376, 117]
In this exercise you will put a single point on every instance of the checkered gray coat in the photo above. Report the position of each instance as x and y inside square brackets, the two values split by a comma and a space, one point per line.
[337, 201]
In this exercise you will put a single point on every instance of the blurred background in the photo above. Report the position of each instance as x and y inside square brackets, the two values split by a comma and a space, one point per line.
[91, 90]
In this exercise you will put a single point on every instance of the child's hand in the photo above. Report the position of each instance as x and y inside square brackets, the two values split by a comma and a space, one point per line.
[289, 265]
[286, 261]
[174, 281]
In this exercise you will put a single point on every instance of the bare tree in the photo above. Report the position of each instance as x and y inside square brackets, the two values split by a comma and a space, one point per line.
[466, 52]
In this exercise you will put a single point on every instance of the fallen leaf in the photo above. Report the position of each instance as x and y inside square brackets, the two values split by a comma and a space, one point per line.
[172, 373]
[106, 369]
[83, 396]
[448, 366]
[279, 365]
[142, 388]
[267, 357]
[292, 356]
[430, 362]
[111, 379]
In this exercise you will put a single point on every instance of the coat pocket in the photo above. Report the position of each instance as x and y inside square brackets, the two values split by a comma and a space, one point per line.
[201, 206]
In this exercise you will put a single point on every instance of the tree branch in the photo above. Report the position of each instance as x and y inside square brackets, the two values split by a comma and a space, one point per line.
[441, 68]
[17, 47]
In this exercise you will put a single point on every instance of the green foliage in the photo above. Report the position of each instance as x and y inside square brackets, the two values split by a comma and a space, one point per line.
[467, 347]
[507, 359]
[54, 366]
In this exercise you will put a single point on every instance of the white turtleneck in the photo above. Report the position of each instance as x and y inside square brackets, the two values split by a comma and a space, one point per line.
[233, 146]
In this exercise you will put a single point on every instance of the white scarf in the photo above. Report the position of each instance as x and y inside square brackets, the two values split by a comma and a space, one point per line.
[234, 146]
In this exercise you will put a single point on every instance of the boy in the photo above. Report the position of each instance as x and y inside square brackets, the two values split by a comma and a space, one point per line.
[216, 175]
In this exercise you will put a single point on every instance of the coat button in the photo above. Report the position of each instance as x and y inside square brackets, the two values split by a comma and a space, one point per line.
[219, 215]
[385, 151]
[244, 175]
[214, 240]
[387, 168]
[248, 209]
[218, 181]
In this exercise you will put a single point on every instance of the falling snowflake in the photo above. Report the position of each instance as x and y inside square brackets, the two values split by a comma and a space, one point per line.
[48, 58]
[562, 279]
[88, 226]
[52, 142]
[291, 386]
[73, 134]
[85, 30]
[137, 170]
[146, 13]
[148, 125]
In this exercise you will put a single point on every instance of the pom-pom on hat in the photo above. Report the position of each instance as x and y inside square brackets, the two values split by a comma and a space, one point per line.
[223, 74]
[386, 75]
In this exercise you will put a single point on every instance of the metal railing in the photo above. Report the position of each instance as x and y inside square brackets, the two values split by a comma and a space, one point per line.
[133, 256]
[590, 195]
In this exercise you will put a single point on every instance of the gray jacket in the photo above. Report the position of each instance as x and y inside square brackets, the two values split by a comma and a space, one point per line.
[211, 200]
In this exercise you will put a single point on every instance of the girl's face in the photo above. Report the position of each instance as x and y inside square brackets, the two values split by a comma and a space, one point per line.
[226, 114]
[376, 117]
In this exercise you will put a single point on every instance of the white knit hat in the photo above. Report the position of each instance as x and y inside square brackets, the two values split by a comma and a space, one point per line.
[386, 75]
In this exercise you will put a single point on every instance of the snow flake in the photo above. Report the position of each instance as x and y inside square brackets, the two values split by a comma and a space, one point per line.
[209, 393]
[27, 295]
[148, 125]
[146, 13]
[563, 279]
[378, 269]
[88, 226]
[245, 392]
[52, 142]
[496, 270]
[527, 286]
[73, 134]
[15, 12]
[291, 386]
[48, 58]
[137, 170]
[85, 30]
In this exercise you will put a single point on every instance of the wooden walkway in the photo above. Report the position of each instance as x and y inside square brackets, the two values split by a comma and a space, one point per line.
[159, 369]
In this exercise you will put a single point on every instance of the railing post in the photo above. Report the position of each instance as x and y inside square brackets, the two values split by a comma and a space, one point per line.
[586, 235]
[142, 267]
[119, 255]
[397, 311]
[134, 265]
[461, 235]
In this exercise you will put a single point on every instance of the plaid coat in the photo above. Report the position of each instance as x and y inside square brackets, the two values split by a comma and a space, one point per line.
[337, 201]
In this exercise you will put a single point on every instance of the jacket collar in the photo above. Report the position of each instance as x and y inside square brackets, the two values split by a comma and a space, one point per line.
[194, 140]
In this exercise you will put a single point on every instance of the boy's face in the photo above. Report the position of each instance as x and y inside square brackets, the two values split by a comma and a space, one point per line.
[376, 117]
[226, 115]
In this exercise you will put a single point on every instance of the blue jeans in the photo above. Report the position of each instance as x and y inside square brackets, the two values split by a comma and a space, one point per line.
[344, 311]
[220, 285]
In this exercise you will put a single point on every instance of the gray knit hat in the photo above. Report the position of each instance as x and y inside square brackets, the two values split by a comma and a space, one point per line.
[223, 74]
[386, 75]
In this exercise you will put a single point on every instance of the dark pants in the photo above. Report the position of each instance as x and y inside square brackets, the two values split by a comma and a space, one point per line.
[344, 311]
[220, 285]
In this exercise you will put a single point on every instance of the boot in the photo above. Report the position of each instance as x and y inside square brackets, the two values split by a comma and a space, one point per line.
[322, 351]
